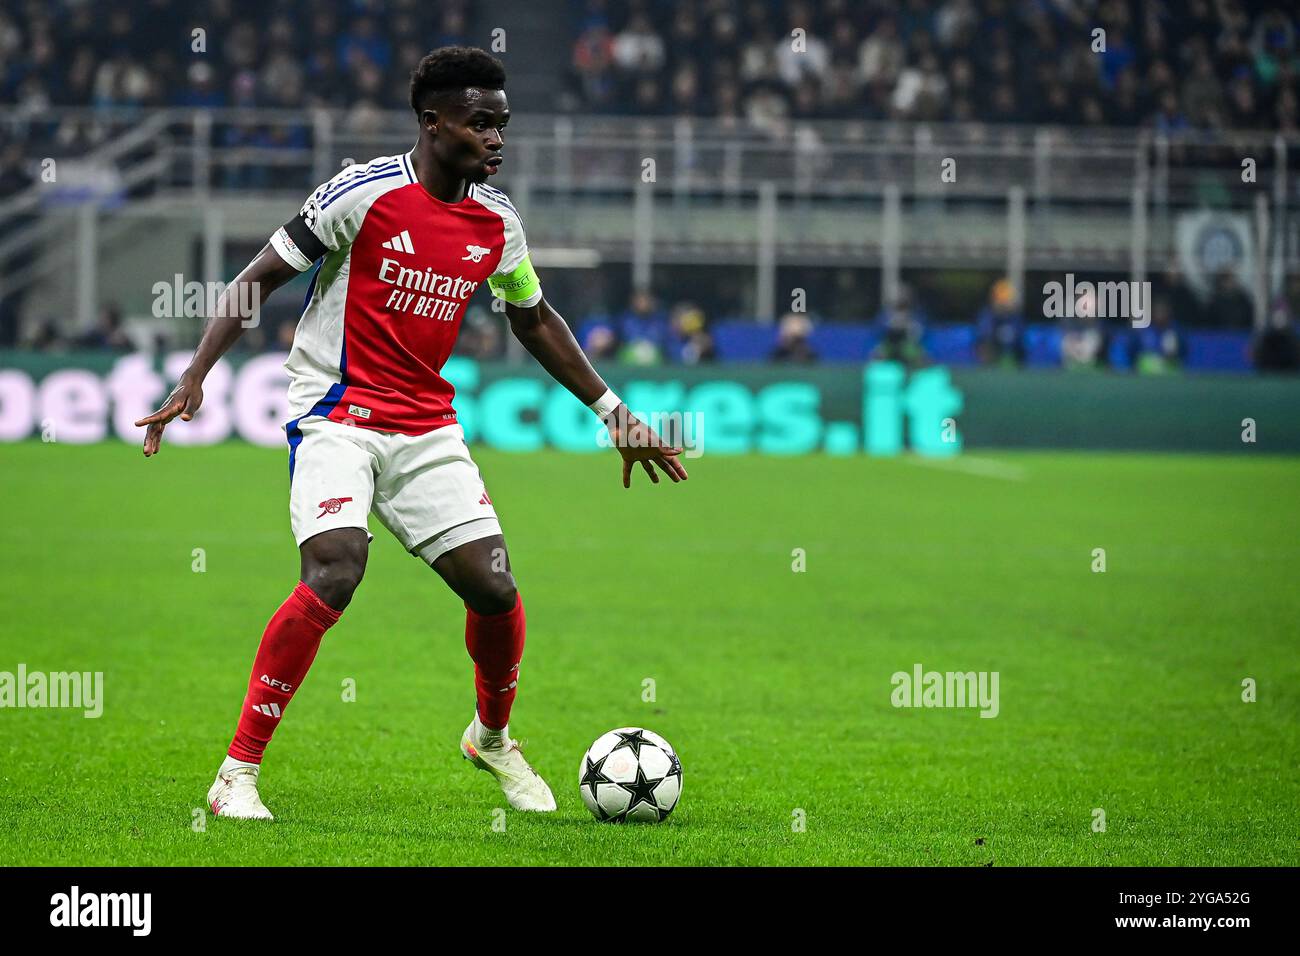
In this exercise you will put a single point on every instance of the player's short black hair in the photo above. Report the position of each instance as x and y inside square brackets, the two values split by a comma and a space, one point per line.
[452, 68]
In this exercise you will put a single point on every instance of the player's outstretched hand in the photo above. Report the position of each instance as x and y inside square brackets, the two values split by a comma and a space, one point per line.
[637, 442]
[184, 401]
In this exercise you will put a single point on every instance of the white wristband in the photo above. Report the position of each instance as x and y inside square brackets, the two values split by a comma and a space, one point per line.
[605, 404]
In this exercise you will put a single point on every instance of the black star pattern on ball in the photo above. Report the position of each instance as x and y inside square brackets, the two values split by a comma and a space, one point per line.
[633, 742]
[593, 775]
[642, 791]
[674, 767]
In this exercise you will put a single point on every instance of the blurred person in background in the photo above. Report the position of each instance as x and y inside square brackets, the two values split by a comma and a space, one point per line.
[1230, 306]
[1277, 347]
[901, 327]
[1000, 328]
[758, 55]
[593, 67]
[881, 55]
[809, 59]
[284, 334]
[643, 329]
[601, 342]
[1202, 92]
[199, 91]
[481, 335]
[452, 28]
[922, 90]
[689, 327]
[1184, 304]
[768, 109]
[1160, 347]
[1170, 117]
[243, 95]
[107, 335]
[14, 177]
[43, 335]
[793, 339]
[637, 48]
[1085, 341]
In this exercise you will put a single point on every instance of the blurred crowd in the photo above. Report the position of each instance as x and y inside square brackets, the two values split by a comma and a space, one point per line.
[1170, 64]
[647, 333]
[1173, 64]
[1001, 334]
[134, 55]
[287, 53]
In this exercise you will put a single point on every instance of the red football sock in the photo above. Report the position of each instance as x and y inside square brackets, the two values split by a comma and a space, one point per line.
[288, 647]
[496, 643]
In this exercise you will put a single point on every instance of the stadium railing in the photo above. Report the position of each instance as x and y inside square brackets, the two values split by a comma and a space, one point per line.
[661, 190]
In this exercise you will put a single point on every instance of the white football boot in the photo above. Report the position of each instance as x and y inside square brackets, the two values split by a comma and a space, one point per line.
[500, 756]
[234, 793]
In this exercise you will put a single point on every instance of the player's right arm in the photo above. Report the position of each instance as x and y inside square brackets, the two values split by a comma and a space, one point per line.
[266, 273]
[328, 221]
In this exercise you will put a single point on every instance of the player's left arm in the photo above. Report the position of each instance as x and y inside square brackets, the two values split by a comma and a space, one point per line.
[546, 336]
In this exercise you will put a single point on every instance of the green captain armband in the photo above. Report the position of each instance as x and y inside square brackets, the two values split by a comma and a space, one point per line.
[521, 285]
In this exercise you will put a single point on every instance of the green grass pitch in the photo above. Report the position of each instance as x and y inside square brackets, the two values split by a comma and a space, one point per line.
[1119, 690]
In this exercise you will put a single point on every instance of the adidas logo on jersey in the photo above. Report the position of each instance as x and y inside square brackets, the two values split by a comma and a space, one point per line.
[401, 243]
[270, 710]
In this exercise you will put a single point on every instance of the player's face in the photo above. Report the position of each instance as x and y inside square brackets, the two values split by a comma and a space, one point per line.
[470, 134]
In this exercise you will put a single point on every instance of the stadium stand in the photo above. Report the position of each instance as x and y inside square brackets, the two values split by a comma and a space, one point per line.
[1196, 68]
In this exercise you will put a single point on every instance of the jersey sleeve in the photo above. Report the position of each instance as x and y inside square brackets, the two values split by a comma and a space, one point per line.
[514, 281]
[331, 217]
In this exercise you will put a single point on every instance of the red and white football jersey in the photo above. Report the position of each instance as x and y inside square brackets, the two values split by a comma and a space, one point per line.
[396, 269]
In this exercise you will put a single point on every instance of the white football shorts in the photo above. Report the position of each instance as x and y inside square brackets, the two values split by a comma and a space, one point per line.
[425, 489]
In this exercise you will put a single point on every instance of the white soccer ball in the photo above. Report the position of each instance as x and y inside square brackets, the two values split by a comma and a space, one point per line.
[630, 774]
